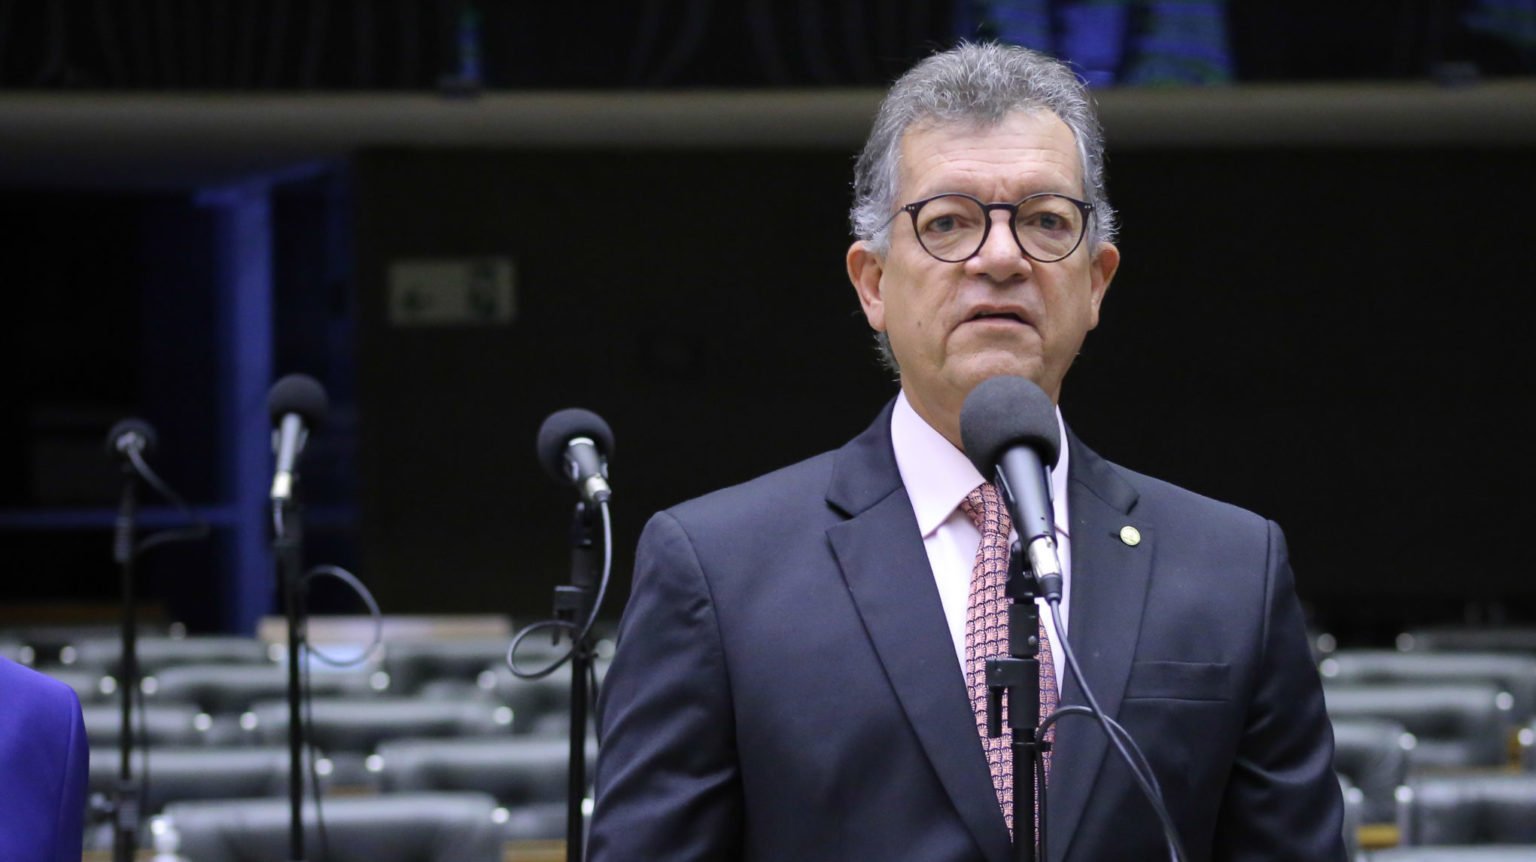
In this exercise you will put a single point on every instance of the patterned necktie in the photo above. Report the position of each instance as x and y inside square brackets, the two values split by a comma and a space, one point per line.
[986, 636]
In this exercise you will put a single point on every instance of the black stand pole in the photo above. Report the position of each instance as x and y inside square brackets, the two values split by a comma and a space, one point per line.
[288, 549]
[573, 604]
[1018, 676]
[125, 812]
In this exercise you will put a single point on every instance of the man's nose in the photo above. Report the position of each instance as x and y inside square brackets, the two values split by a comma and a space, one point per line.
[999, 257]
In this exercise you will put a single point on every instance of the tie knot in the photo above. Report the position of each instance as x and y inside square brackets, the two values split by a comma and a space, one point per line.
[985, 507]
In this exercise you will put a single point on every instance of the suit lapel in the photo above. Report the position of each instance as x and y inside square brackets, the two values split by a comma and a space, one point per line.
[1109, 588]
[886, 569]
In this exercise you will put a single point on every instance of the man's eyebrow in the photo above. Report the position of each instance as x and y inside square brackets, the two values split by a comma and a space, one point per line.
[953, 189]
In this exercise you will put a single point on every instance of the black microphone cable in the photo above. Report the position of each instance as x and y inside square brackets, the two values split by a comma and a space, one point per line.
[580, 634]
[1124, 744]
[198, 528]
[309, 649]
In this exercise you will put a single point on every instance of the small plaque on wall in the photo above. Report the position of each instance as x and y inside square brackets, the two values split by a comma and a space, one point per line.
[471, 291]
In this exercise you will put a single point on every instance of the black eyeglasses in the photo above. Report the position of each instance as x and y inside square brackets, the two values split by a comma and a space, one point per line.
[953, 227]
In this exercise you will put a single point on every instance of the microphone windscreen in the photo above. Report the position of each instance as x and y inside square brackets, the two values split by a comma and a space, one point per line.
[561, 427]
[131, 426]
[1003, 412]
[299, 394]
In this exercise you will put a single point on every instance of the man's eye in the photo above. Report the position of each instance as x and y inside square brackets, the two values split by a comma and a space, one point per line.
[943, 224]
[1047, 221]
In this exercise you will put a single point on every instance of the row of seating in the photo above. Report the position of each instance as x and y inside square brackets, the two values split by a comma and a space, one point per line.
[407, 666]
[1436, 743]
[332, 724]
[1398, 717]
[437, 827]
[214, 702]
[513, 770]
[1447, 817]
[416, 717]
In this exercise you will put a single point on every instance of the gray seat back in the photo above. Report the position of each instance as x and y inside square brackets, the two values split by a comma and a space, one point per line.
[516, 770]
[177, 774]
[1455, 725]
[104, 655]
[439, 827]
[224, 689]
[160, 724]
[1373, 754]
[359, 725]
[1490, 808]
[1515, 674]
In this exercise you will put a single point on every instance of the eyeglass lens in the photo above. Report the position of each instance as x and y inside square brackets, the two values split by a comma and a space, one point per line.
[953, 227]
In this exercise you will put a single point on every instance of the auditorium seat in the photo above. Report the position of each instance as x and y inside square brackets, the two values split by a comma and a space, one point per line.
[105, 655]
[536, 821]
[1488, 808]
[515, 770]
[1506, 639]
[160, 724]
[89, 687]
[223, 689]
[359, 725]
[438, 827]
[177, 774]
[17, 652]
[1374, 756]
[1453, 725]
[50, 642]
[1452, 854]
[412, 664]
[1354, 805]
[1515, 674]
[539, 706]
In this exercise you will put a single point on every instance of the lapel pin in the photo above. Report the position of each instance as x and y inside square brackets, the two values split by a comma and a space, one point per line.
[1130, 535]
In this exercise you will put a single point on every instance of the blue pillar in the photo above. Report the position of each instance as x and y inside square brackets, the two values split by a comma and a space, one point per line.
[242, 216]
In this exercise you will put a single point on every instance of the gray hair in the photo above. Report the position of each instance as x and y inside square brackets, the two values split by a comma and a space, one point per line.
[981, 84]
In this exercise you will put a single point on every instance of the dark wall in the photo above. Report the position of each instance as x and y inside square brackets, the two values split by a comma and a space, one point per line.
[1328, 337]
[114, 311]
[1333, 339]
[697, 303]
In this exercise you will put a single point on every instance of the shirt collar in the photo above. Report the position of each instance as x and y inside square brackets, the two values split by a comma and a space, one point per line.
[938, 476]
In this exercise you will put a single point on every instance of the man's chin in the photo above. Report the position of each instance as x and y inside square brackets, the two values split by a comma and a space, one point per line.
[987, 366]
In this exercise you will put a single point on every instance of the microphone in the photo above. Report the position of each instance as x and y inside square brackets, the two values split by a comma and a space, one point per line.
[127, 439]
[1008, 426]
[131, 435]
[574, 446]
[297, 404]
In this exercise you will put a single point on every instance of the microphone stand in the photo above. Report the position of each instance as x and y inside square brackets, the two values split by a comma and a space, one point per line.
[573, 604]
[288, 549]
[125, 813]
[1018, 677]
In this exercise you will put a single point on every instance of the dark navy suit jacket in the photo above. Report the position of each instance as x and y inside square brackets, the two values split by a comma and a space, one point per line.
[786, 687]
[43, 766]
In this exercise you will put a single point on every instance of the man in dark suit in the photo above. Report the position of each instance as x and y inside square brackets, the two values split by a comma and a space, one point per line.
[796, 669]
[43, 766]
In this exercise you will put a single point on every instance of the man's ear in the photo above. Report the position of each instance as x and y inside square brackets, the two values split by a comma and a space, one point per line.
[1106, 261]
[865, 269]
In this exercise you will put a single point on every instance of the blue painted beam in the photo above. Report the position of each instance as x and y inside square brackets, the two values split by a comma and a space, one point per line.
[86, 518]
[244, 264]
[103, 518]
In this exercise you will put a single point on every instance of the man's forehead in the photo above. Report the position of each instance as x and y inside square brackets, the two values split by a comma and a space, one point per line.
[945, 135]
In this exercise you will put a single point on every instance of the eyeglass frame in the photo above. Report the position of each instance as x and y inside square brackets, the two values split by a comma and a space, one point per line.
[1012, 209]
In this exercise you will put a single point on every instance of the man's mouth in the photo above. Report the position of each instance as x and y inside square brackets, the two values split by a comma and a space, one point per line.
[997, 315]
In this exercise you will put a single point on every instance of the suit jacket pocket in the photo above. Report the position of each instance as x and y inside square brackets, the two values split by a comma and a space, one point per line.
[1180, 680]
